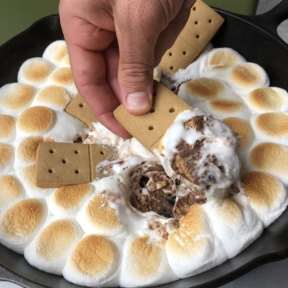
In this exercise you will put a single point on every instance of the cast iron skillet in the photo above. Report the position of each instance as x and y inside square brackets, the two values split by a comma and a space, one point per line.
[253, 37]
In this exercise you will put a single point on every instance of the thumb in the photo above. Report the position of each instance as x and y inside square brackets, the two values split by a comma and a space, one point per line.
[136, 62]
[135, 77]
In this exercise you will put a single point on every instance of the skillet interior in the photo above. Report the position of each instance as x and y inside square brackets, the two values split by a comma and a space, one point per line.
[250, 41]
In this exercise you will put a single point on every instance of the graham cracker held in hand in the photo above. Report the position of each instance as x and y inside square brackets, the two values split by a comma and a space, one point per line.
[149, 128]
[60, 164]
[78, 108]
[200, 28]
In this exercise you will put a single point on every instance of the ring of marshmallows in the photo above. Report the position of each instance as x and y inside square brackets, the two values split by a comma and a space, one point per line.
[90, 233]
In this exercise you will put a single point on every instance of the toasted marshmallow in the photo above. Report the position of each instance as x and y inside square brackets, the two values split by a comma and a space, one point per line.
[66, 61]
[26, 151]
[243, 129]
[242, 78]
[27, 175]
[271, 158]
[51, 124]
[66, 128]
[35, 71]
[194, 143]
[248, 76]
[105, 136]
[54, 97]
[268, 99]
[219, 73]
[15, 97]
[63, 77]
[98, 217]
[20, 223]
[56, 52]
[225, 106]
[35, 121]
[133, 148]
[7, 128]
[121, 218]
[200, 89]
[229, 219]
[223, 57]
[267, 195]
[121, 244]
[50, 249]
[191, 248]
[11, 191]
[93, 262]
[272, 127]
[6, 158]
[194, 70]
[144, 263]
[67, 200]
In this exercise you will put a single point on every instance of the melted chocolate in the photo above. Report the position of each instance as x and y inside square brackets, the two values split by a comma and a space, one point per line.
[152, 189]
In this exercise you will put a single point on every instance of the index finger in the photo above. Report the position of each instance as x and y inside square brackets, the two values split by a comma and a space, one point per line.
[89, 72]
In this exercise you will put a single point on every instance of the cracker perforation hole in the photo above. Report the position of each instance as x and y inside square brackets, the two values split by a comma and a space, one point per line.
[51, 151]
[76, 171]
[197, 36]
[196, 22]
[50, 171]
[170, 54]
[81, 105]
[184, 53]
[194, 8]
[172, 110]
[171, 67]
[210, 21]
[63, 161]
[76, 152]
[102, 152]
[151, 127]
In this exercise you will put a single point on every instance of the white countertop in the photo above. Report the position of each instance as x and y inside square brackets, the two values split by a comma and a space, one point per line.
[6, 284]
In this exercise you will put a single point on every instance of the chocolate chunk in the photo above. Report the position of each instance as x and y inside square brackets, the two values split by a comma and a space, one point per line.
[185, 161]
[163, 228]
[190, 163]
[152, 189]
[196, 123]
[233, 189]
[188, 195]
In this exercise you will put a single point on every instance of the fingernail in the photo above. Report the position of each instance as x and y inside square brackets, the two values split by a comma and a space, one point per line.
[188, 4]
[137, 100]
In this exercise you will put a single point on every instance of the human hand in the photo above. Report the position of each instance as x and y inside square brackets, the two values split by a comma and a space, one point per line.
[114, 46]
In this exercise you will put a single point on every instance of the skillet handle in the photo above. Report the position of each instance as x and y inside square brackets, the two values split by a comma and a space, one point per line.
[270, 20]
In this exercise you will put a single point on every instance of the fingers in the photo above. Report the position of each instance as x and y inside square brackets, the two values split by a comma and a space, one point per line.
[188, 4]
[136, 55]
[85, 42]
[90, 75]
[139, 26]
[135, 78]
